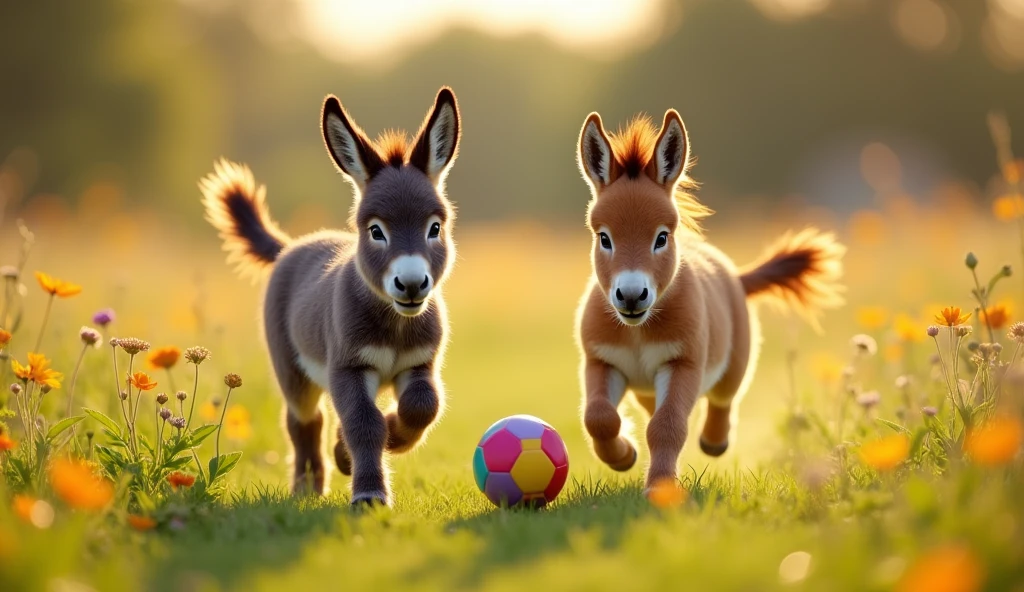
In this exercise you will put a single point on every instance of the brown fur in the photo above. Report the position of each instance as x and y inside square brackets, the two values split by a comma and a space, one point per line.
[666, 314]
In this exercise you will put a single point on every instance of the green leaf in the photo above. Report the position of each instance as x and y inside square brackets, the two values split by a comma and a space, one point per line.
[894, 426]
[99, 416]
[178, 463]
[917, 441]
[221, 465]
[62, 426]
[200, 434]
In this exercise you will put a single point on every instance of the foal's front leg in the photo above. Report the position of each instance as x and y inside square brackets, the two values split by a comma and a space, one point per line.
[419, 403]
[604, 387]
[677, 386]
[354, 393]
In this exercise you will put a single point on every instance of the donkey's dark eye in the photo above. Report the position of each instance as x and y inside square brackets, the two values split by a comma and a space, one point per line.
[606, 241]
[661, 241]
[377, 234]
[435, 230]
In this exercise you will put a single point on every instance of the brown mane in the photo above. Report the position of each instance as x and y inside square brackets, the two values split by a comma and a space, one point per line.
[633, 149]
[393, 147]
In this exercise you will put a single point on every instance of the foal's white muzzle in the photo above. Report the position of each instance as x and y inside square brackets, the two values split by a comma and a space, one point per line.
[632, 294]
[408, 282]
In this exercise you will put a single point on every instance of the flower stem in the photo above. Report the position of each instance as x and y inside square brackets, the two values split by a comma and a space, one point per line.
[46, 318]
[74, 379]
[983, 301]
[220, 426]
[192, 406]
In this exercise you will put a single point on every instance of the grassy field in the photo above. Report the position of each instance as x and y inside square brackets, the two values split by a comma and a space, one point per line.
[791, 506]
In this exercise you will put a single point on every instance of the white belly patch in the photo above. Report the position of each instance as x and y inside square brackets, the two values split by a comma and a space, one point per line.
[639, 364]
[384, 361]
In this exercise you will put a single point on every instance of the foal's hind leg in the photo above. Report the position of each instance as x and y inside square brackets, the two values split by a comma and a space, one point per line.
[419, 403]
[725, 396]
[604, 387]
[305, 423]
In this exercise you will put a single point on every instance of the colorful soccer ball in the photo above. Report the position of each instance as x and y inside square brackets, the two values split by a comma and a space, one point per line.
[521, 460]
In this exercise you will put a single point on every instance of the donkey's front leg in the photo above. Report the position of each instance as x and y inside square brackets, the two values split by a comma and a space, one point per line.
[354, 392]
[419, 403]
[676, 386]
[604, 387]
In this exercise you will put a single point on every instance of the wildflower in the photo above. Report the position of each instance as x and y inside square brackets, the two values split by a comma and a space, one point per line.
[907, 329]
[996, 442]
[5, 337]
[22, 506]
[970, 261]
[238, 423]
[165, 413]
[38, 371]
[75, 483]
[104, 317]
[181, 395]
[902, 381]
[123, 395]
[23, 372]
[1016, 332]
[869, 399]
[929, 411]
[964, 330]
[950, 568]
[133, 345]
[1008, 208]
[233, 380]
[6, 443]
[141, 381]
[864, 344]
[15, 389]
[90, 336]
[951, 317]
[179, 422]
[997, 317]
[178, 479]
[56, 287]
[872, 317]
[196, 355]
[666, 493]
[161, 398]
[887, 453]
[141, 523]
[164, 357]
[933, 330]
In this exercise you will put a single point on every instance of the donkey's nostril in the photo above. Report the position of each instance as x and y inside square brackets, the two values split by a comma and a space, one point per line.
[426, 282]
[618, 294]
[399, 285]
[643, 295]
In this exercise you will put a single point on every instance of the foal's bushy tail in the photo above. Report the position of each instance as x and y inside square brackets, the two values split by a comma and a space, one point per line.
[801, 270]
[237, 208]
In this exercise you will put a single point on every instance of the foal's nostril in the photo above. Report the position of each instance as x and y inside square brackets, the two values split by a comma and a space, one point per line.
[399, 285]
[643, 295]
[618, 294]
[426, 282]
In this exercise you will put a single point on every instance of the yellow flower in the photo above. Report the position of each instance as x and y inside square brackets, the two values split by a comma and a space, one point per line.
[872, 317]
[164, 357]
[38, 371]
[237, 423]
[951, 317]
[907, 329]
[57, 287]
[141, 381]
[75, 483]
[950, 568]
[997, 316]
[141, 523]
[996, 442]
[22, 372]
[5, 337]
[666, 493]
[885, 454]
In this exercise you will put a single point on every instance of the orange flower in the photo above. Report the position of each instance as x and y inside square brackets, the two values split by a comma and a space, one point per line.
[908, 329]
[996, 442]
[6, 443]
[885, 454]
[666, 493]
[164, 357]
[142, 523]
[178, 479]
[22, 505]
[141, 381]
[950, 568]
[951, 317]
[5, 337]
[57, 287]
[997, 317]
[1008, 208]
[38, 370]
[872, 317]
[75, 483]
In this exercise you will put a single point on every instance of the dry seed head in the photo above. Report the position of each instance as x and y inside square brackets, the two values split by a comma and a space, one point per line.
[864, 344]
[165, 413]
[997, 348]
[933, 330]
[15, 389]
[133, 345]
[181, 396]
[233, 380]
[1016, 332]
[178, 422]
[161, 398]
[964, 330]
[196, 354]
[90, 336]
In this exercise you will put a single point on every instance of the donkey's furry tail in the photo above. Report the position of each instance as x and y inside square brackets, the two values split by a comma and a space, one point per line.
[801, 270]
[237, 208]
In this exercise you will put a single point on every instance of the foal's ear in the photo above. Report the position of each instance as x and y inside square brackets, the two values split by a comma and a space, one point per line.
[437, 142]
[348, 146]
[671, 151]
[596, 160]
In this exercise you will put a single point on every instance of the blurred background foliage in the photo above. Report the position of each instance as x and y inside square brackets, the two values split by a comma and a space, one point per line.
[788, 102]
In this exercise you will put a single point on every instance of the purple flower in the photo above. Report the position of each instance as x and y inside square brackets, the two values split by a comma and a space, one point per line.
[104, 317]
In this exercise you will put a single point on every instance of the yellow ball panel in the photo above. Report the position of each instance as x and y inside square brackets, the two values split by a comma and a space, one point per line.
[533, 471]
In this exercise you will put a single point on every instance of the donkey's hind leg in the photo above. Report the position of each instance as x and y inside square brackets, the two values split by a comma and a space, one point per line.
[724, 397]
[604, 388]
[419, 403]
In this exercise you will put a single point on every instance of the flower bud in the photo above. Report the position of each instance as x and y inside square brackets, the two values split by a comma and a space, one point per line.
[161, 398]
[165, 413]
[971, 261]
[233, 380]
[15, 389]
[929, 411]
[124, 395]
[933, 330]
[181, 396]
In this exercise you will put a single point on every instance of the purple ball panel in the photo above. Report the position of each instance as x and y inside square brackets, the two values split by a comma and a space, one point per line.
[501, 488]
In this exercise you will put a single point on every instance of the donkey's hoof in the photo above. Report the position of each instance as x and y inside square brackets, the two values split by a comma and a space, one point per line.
[368, 499]
[714, 449]
[627, 465]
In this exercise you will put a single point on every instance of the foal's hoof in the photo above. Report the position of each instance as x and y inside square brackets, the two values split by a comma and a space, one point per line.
[369, 499]
[714, 449]
[627, 464]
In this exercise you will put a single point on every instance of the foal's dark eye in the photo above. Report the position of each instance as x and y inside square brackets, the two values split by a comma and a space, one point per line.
[377, 234]
[661, 241]
[435, 230]
[606, 241]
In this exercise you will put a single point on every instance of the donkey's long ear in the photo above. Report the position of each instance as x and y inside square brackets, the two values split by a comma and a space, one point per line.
[671, 151]
[596, 159]
[348, 146]
[437, 142]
